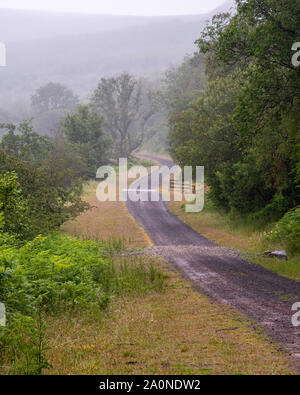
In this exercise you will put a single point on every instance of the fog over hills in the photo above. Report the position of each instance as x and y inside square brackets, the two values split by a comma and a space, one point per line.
[40, 24]
[79, 49]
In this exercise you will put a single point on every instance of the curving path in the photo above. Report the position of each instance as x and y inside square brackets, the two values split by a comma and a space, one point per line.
[221, 273]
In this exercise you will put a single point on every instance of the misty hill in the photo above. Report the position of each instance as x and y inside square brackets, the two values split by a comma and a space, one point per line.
[23, 25]
[79, 49]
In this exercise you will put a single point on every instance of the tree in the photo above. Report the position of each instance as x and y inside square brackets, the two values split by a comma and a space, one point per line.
[184, 83]
[84, 130]
[49, 104]
[119, 101]
[52, 97]
[14, 209]
[247, 135]
[24, 143]
[49, 176]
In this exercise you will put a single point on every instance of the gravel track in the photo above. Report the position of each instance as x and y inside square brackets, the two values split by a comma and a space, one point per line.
[221, 273]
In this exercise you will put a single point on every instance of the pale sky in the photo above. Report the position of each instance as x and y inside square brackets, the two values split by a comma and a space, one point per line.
[118, 7]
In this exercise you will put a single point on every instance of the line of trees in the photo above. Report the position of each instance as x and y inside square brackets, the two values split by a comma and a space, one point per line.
[73, 140]
[244, 126]
[124, 104]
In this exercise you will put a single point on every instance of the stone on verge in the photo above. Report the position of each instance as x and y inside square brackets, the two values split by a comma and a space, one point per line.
[276, 254]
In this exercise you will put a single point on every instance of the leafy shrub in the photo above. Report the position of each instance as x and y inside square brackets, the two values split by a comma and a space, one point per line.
[287, 231]
[49, 179]
[14, 208]
[55, 274]
[274, 210]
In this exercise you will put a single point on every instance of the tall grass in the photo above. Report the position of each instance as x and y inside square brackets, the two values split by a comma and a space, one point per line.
[56, 274]
[131, 275]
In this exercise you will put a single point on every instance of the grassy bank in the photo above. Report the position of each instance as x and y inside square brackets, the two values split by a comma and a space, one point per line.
[108, 220]
[178, 331]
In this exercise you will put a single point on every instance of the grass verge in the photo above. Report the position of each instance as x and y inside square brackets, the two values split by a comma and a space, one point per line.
[177, 332]
[239, 235]
[107, 221]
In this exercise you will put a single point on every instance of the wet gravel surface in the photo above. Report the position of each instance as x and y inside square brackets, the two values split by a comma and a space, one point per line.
[221, 273]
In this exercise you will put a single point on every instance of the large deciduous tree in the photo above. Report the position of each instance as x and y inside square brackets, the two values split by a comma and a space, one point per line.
[121, 102]
[49, 104]
[52, 97]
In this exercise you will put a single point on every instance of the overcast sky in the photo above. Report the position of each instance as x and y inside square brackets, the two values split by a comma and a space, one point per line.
[119, 7]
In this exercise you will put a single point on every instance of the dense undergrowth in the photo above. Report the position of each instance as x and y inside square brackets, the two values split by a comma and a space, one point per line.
[287, 231]
[55, 274]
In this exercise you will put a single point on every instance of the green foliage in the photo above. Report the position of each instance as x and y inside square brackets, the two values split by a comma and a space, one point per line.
[49, 180]
[273, 211]
[244, 127]
[52, 197]
[53, 96]
[84, 131]
[24, 143]
[56, 274]
[14, 209]
[49, 104]
[130, 277]
[53, 272]
[287, 231]
[23, 342]
[183, 83]
[125, 108]
[48, 274]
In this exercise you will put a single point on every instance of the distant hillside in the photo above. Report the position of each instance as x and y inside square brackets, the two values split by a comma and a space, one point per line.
[23, 25]
[79, 49]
